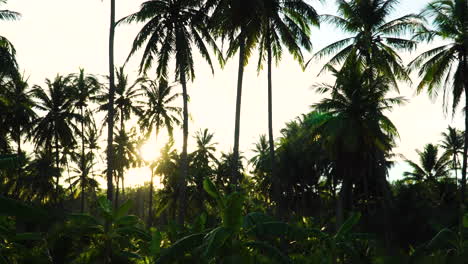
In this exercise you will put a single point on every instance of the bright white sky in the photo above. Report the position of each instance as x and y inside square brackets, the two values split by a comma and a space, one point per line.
[59, 36]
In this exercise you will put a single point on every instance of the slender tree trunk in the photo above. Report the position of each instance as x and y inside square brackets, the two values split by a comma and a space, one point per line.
[465, 147]
[120, 172]
[184, 159]
[150, 209]
[16, 193]
[151, 191]
[57, 165]
[82, 162]
[240, 76]
[271, 141]
[110, 125]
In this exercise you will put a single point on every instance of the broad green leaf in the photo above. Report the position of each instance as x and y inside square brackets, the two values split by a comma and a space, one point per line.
[348, 225]
[22, 211]
[210, 188]
[215, 240]
[269, 251]
[180, 248]
[128, 220]
[28, 236]
[105, 206]
[232, 214]
[155, 245]
[123, 209]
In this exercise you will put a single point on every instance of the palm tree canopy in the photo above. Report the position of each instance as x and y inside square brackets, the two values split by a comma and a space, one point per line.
[442, 69]
[431, 166]
[286, 23]
[374, 39]
[172, 27]
[453, 141]
[126, 100]
[159, 111]
[57, 104]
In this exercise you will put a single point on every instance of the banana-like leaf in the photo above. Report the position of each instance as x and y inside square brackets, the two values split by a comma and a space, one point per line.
[269, 251]
[348, 225]
[8, 161]
[128, 220]
[123, 209]
[211, 189]
[28, 237]
[105, 207]
[180, 248]
[155, 245]
[214, 240]
[22, 211]
[232, 213]
[133, 231]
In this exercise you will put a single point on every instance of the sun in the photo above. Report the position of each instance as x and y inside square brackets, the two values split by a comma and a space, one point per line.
[149, 151]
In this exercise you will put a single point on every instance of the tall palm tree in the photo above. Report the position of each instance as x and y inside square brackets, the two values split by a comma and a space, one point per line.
[19, 115]
[158, 114]
[431, 166]
[20, 112]
[57, 126]
[374, 40]
[238, 21]
[8, 64]
[126, 105]
[284, 23]
[110, 112]
[358, 135]
[173, 27]
[202, 162]
[453, 143]
[446, 67]
[84, 87]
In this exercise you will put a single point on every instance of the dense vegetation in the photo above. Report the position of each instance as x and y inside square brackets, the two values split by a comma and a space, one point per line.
[317, 193]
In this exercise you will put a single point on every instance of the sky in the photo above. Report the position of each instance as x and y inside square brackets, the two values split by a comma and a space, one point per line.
[59, 36]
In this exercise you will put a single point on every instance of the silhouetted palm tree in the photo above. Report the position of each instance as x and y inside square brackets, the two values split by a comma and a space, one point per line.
[375, 40]
[452, 143]
[238, 22]
[8, 64]
[446, 67]
[57, 126]
[358, 135]
[284, 23]
[84, 87]
[431, 166]
[172, 28]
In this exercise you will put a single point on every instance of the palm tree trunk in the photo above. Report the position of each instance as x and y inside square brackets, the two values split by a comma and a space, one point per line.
[240, 76]
[57, 165]
[110, 126]
[82, 162]
[110, 115]
[184, 160]
[151, 191]
[150, 209]
[20, 170]
[465, 147]
[121, 158]
[275, 180]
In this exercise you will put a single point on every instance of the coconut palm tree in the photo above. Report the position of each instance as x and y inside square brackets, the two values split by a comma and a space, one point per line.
[375, 40]
[284, 23]
[357, 135]
[84, 87]
[110, 112]
[238, 22]
[453, 143]
[202, 162]
[57, 126]
[8, 64]
[445, 67]
[159, 113]
[126, 105]
[173, 27]
[431, 166]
